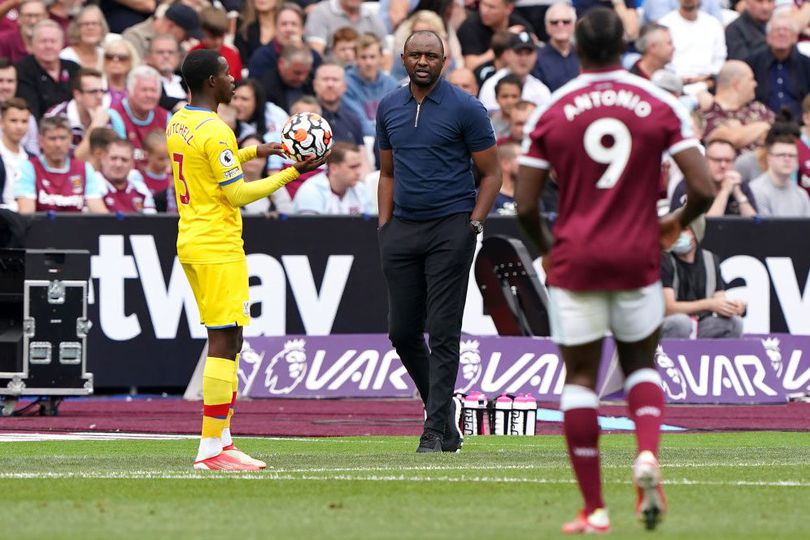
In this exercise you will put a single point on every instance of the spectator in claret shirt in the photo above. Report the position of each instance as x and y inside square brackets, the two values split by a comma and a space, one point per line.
[16, 44]
[655, 45]
[122, 195]
[54, 182]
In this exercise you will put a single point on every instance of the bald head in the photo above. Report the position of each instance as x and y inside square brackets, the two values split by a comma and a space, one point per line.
[736, 83]
[731, 72]
[465, 79]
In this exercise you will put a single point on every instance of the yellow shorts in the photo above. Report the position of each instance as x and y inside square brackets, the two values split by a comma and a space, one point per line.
[221, 291]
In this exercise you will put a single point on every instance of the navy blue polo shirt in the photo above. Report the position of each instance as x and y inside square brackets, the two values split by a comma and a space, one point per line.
[432, 146]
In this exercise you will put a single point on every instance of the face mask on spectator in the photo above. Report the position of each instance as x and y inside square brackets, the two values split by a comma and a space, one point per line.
[683, 244]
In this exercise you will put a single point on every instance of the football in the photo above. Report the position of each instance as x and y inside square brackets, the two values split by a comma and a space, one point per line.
[306, 134]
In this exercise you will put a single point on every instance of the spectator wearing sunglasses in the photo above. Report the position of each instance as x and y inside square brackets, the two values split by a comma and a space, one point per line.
[557, 62]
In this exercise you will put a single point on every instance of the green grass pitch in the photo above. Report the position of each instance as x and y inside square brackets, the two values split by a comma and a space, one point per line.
[735, 485]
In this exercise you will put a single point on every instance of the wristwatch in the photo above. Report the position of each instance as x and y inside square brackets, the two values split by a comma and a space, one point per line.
[476, 226]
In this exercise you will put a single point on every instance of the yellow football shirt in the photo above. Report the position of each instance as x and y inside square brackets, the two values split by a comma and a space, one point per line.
[205, 157]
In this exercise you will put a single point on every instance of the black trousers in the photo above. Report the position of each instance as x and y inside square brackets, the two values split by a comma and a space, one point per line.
[426, 266]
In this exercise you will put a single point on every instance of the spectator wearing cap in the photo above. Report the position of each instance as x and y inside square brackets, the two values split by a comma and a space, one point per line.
[123, 14]
[328, 16]
[501, 45]
[655, 45]
[746, 34]
[179, 20]
[694, 291]
[214, 23]
[43, 79]
[475, 33]
[781, 71]
[520, 62]
[669, 81]
[557, 62]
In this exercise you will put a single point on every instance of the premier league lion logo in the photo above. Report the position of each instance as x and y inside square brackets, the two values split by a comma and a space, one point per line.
[672, 380]
[286, 370]
[470, 360]
[774, 352]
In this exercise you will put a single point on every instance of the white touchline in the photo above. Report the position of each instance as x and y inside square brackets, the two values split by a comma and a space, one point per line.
[275, 475]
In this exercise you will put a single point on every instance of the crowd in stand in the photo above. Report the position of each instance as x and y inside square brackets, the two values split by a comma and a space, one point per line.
[86, 90]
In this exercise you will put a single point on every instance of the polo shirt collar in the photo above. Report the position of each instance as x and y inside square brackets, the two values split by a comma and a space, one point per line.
[436, 94]
[334, 5]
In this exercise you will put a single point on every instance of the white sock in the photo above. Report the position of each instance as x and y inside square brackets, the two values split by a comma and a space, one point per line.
[209, 447]
[226, 438]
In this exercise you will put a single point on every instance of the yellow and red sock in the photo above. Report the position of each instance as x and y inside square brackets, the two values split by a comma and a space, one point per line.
[227, 440]
[217, 396]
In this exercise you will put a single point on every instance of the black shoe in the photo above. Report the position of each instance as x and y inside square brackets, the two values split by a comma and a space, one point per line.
[430, 441]
[453, 439]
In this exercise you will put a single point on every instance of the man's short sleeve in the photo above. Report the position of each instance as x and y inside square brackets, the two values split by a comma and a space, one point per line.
[382, 134]
[667, 271]
[26, 186]
[317, 27]
[477, 127]
[95, 188]
[222, 152]
[117, 124]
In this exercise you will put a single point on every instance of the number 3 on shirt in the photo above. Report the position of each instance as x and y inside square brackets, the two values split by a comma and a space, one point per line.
[614, 156]
[184, 197]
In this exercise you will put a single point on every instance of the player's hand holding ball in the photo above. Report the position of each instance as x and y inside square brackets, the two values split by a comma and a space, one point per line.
[310, 163]
[269, 149]
[306, 135]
